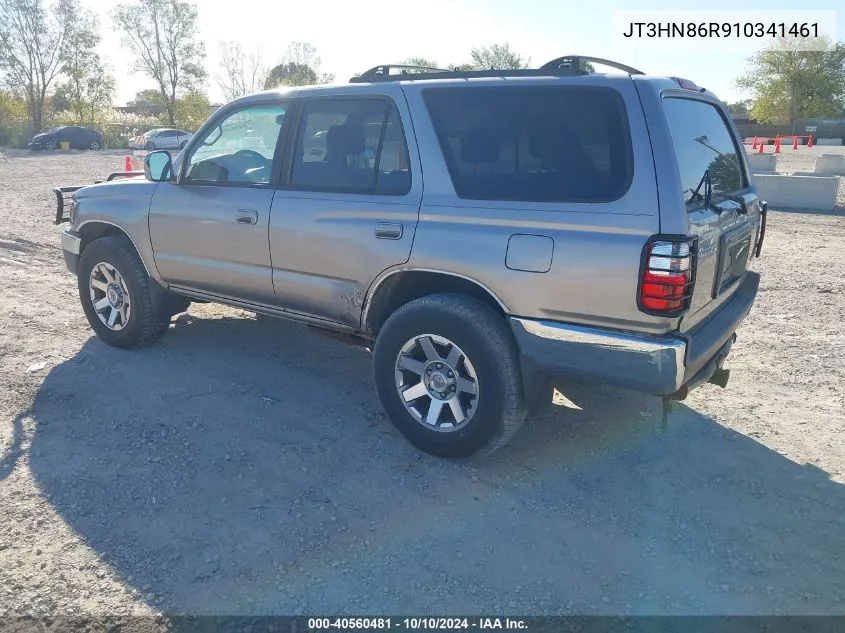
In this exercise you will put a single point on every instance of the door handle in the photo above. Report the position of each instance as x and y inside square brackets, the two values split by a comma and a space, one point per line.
[388, 231]
[246, 216]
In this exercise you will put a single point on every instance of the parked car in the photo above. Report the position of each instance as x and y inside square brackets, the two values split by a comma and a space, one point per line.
[78, 137]
[483, 238]
[162, 138]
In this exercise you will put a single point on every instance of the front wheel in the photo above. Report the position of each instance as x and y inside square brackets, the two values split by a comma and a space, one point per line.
[95, 145]
[150, 146]
[115, 295]
[447, 374]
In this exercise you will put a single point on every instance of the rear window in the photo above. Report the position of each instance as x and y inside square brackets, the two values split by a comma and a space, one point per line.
[533, 144]
[704, 146]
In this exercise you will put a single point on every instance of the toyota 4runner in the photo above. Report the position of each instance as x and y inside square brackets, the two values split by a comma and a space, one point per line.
[482, 232]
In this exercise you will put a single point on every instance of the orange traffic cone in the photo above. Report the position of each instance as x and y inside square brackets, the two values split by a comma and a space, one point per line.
[127, 164]
[760, 150]
[754, 146]
[810, 141]
[777, 145]
[794, 142]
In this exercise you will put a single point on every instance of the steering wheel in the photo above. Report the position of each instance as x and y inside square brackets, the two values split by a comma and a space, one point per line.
[252, 154]
[253, 162]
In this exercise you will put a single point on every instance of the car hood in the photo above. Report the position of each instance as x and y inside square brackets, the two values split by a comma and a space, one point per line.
[41, 136]
[135, 189]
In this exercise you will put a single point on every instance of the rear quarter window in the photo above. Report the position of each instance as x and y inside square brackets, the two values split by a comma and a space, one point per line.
[533, 144]
[704, 146]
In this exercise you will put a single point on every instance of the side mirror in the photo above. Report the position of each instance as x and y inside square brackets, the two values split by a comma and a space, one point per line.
[158, 166]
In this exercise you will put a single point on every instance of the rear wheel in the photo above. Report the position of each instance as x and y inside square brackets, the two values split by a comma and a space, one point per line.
[446, 372]
[95, 145]
[182, 144]
[115, 296]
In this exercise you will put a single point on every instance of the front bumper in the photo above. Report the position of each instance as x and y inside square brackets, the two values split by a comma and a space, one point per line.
[661, 365]
[71, 247]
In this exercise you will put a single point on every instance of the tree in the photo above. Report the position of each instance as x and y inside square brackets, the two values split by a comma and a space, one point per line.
[89, 86]
[740, 109]
[163, 37]
[497, 57]
[300, 66]
[420, 61]
[147, 97]
[790, 84]
[32, 41]
[192, 110]
[241, 74]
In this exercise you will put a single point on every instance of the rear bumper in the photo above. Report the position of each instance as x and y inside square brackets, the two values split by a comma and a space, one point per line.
[661, 365]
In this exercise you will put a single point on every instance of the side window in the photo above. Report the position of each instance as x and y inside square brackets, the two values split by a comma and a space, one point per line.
[352, 146]
[534, 143]
[239, 149]
[704, 147]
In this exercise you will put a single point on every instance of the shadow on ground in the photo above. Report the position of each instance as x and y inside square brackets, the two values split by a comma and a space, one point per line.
[246, 468]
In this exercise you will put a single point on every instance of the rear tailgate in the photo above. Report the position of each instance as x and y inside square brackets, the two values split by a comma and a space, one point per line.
[721, 206]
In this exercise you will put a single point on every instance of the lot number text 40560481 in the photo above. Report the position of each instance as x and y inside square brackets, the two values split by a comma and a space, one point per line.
[415, 624]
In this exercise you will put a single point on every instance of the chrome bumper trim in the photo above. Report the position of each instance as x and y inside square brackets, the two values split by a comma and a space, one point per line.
[71, 241]
[653, 364]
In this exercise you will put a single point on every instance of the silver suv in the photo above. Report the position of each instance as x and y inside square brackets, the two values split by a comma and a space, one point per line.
[483, 233]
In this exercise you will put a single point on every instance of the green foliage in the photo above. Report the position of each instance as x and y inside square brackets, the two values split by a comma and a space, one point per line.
[88, 87]
[789, 84]
[290, 74]
[420, 61]
[147, 97]
[300, 66]
[497, 57]
[192, 110]
[32, 46]
[163, 36]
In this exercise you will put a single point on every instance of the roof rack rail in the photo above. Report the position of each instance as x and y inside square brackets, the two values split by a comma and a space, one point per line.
[574, 62]
[560, 66]
[380, 72]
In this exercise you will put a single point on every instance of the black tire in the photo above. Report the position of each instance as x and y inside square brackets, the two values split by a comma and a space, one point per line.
[182, 144]
[50, 146]
[145, 324]
[150, 146]
[95, 146]
[484, 337]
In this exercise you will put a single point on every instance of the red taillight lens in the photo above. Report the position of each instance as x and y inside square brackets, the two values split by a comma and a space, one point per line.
[667, 277]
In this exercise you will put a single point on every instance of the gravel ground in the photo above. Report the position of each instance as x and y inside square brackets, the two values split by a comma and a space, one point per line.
[246, 467]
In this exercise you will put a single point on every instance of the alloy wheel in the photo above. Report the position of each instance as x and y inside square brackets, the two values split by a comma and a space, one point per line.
[109, 296]
[437, 383]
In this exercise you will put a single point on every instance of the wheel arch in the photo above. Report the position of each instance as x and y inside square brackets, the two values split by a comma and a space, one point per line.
[91, 230]
[396, 288]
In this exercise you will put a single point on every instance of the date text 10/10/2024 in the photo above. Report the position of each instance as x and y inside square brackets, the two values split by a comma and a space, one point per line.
[414, 624]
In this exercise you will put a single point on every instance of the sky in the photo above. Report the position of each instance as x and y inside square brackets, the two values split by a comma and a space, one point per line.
[353, 36]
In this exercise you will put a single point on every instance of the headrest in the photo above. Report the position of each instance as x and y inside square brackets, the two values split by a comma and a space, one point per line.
[345, 140]
[479, 145]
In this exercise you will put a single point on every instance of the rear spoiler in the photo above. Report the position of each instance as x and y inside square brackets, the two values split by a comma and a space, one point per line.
[65, 194]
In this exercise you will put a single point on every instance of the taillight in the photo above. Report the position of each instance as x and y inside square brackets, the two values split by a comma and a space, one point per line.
[668, 273]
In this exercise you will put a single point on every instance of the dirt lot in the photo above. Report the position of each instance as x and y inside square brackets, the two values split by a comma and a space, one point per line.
[245, 467]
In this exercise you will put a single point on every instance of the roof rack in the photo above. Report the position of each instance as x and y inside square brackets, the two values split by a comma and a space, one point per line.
[559, 67]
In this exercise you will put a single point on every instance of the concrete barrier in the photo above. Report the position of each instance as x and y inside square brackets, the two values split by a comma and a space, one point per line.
[830, 164]
[828, 141]
[811, 192]
[762, 162]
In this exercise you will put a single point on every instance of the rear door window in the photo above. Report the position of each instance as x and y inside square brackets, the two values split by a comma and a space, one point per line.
[704, 148]
[535, 143]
